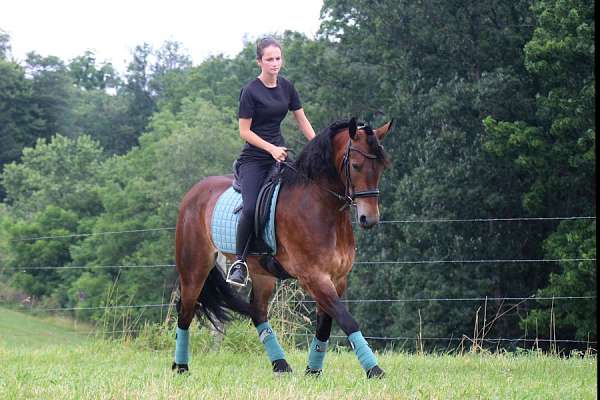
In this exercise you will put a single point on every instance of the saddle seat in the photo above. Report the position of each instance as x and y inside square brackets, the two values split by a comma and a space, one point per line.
[227, 212]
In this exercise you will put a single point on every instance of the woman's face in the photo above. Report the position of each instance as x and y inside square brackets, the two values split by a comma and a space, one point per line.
[271, 60]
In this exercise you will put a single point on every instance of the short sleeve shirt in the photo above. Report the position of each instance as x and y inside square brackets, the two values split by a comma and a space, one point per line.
[267, 107]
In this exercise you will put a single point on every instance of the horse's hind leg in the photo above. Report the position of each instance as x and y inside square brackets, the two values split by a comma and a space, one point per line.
[193, 265]
[324, 292]
[262, 290]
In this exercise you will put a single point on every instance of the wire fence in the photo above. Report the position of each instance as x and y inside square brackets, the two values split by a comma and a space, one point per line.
[462, 338]
[347, 301]
[356, 263]
[404, 221]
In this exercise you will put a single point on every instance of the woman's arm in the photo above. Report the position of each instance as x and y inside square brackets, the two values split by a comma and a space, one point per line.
[278, 153]
[304, 124]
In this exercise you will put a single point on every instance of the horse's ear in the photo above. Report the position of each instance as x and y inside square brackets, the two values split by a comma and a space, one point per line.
[352, 128]
[383, 130]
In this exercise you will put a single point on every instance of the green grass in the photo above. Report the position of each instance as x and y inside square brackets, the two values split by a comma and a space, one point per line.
[18, 329]
[96, 369]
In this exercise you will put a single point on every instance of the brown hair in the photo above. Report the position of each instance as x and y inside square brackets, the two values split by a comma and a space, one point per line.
[263, 43]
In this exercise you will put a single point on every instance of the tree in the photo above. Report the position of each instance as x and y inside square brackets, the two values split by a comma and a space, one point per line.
[89, 76]
[34, 260]
[142, 190]
[137, 89]
[62, 172]
[557, 149]
[439, 68]
[21, 119]
[169, 72]
[4, 45]
[52, 92]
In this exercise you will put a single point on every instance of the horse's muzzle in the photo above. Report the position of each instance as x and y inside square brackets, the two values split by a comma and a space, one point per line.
[366, 222]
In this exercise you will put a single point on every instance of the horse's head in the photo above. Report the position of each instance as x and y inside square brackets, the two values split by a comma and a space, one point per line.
[361, 162]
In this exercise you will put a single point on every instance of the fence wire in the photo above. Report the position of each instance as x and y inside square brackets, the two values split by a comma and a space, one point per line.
[356, 263]
[404, 221]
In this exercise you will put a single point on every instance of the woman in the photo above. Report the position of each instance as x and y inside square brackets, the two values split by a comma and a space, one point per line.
[264, 103]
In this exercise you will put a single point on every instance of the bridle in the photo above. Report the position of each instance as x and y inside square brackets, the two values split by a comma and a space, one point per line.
[350, 194]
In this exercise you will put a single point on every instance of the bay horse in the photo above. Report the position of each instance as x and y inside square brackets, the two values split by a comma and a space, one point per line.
[336, 171]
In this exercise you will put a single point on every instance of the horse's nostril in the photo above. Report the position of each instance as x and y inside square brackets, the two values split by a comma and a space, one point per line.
[363, 220]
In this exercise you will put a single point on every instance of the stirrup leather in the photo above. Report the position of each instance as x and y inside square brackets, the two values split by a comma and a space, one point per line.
[228, 279]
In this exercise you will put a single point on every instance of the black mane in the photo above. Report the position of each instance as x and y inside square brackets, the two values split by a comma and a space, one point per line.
[316, 158]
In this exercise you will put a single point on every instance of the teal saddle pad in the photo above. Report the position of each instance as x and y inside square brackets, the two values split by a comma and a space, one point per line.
[224, 222]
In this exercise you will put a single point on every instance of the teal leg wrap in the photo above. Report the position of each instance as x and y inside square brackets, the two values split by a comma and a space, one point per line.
[363, 351]
[269, 340]
[182, 341]
[316, 355]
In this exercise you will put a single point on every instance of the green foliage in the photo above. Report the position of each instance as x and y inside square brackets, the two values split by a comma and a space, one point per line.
[52, 92]
[20, 118]
[4, 45]
[573, 240]
[88, 76]
[62, 172]
[141, 190]
[32, 257]
[557, 152]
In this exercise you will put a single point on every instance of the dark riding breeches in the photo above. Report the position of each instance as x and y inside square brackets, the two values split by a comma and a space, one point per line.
[252, 174]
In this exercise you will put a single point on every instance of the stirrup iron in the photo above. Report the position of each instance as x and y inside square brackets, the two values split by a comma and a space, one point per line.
[234, 283]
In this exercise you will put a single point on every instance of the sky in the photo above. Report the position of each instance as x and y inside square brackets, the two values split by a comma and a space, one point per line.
[112, 28]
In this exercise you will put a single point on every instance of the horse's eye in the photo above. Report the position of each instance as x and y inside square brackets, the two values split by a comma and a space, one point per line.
[355, 167]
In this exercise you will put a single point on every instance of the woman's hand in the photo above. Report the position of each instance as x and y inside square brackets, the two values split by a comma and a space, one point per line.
[279, 153]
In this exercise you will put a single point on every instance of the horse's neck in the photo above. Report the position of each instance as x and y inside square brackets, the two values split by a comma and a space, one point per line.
[328, 206]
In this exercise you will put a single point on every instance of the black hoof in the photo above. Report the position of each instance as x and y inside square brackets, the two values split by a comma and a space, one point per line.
[313, 372]
[180, 368]
[375, 372]
[281, 366]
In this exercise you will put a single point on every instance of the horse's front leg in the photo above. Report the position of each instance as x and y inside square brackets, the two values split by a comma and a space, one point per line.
[262, 290]
[319, 344]
[324, 292]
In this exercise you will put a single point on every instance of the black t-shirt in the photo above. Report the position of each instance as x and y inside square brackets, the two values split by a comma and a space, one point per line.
[267, 107]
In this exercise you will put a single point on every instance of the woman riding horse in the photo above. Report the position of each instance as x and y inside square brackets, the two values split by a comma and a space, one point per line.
[264, 103]
[338, 169]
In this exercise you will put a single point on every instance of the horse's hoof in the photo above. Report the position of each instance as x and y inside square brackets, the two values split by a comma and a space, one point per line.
[180, 368]
[281, 367]
[313, 372]
[375, 372]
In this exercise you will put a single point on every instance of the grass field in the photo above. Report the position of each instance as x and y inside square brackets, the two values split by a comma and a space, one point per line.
[74, 367]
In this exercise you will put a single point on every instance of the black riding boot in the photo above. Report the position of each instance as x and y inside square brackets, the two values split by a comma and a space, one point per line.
[238, 272]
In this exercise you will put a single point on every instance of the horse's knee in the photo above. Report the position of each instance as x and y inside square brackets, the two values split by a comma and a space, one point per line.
[328, 300]
[345, 320]
[185, 313]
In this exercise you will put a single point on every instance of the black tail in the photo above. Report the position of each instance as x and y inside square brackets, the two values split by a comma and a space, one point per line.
[217, 299]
